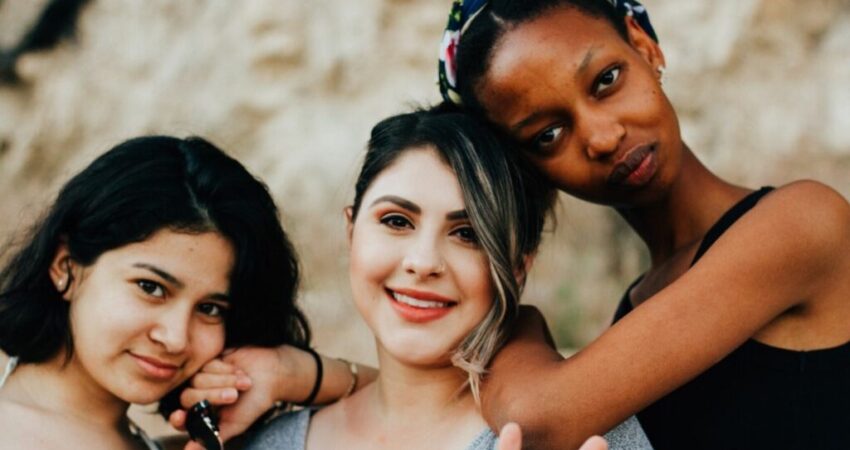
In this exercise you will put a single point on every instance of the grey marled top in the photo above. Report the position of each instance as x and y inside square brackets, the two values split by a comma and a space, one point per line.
[289, 432]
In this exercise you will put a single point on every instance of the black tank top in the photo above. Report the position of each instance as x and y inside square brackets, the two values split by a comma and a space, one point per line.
[757, 397]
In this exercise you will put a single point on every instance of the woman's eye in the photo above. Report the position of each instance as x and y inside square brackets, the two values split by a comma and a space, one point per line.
[151, 288]
[212, 310]
[467, 234]
[396, 222]
[606, 80]
[547, 138]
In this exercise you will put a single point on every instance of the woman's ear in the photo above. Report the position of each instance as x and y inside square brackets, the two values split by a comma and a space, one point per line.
[349, 222]
[62, 271]
[644, 44]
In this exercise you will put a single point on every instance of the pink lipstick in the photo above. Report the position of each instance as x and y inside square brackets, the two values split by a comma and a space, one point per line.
[419, 306]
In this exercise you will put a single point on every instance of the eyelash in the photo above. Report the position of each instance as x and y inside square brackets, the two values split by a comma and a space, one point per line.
[616, 71]
[220, 311]
[396, 221]
[471, 238]
[149, 287]
[541, 148]
[399, 222]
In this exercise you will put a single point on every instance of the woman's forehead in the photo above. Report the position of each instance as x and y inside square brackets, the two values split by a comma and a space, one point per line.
[415, 173]
[564, 35]
[544, 54]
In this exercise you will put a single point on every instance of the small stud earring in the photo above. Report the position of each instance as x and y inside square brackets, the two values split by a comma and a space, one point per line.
[661, 70]
[61, 284]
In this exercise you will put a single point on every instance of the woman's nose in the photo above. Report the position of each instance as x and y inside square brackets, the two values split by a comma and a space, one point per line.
[601, 133]
[171, 329]
[424, 259]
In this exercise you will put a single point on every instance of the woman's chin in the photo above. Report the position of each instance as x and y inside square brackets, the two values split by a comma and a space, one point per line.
[143, 393]
[417, 356]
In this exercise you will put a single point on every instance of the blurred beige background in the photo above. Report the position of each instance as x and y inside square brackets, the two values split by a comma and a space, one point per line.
[292, 88]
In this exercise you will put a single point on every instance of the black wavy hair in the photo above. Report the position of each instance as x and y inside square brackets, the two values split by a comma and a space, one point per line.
[130, 192]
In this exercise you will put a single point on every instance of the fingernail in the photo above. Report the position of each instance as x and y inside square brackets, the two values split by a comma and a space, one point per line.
[229, 394]
[243, 382]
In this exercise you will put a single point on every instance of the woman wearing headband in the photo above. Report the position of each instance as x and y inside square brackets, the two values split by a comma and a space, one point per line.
[736, 336]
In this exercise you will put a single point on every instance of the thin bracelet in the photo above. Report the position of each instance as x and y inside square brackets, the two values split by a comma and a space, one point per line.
[355, 376]
[318, 383]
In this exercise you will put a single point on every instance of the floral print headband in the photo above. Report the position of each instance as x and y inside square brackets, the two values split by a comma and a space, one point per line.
[465, 11]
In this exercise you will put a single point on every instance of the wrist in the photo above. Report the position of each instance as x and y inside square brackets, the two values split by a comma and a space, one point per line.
[317, 382]
[296, 374]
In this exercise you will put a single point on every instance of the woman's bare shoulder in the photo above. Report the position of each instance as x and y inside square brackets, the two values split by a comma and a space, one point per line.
[810, 202]
[23, 427]
[811, 217]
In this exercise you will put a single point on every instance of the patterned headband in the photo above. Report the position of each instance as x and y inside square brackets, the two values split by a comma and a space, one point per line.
[465, 11]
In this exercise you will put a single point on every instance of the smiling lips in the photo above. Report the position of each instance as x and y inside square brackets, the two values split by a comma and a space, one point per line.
[635, 168]
[419, 306]
[154, 368]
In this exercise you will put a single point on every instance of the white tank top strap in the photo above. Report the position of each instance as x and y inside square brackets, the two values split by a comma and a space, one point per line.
[10, 367]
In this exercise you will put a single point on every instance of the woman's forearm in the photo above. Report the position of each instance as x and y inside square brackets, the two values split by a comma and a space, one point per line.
[299, 371]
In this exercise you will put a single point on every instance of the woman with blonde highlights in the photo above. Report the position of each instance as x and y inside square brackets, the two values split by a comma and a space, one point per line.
[442, 230]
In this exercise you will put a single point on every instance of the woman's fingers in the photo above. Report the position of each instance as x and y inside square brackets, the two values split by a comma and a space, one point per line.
[218, 382]
[510, 438]
[220, 367]
[595, 443]
[192, 445]
[216, 396]
[177, 419]
[239, 381]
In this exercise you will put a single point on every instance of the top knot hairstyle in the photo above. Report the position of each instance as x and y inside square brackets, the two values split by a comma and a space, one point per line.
[126, 195]
[475, 27]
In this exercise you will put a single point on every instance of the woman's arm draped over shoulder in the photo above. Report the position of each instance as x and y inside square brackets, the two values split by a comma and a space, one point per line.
[785, 252]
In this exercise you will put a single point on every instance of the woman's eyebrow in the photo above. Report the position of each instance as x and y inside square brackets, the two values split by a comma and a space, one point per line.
[582, 68]
[179, 284]
[457, 215]
[525, 122]
[402, 202]
[588, 57]
[161, 273]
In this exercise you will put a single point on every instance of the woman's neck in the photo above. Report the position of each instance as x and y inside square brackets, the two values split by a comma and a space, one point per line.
[66, 391]
[407, 401]
[695, 201]
[422, 392]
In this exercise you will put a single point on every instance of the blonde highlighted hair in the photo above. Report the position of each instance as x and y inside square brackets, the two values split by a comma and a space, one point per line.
[505, 202]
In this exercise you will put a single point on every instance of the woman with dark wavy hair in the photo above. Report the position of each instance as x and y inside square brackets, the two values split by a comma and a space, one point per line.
[152, 260]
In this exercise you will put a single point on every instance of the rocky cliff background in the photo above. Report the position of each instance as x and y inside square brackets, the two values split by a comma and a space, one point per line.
[292, 88]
